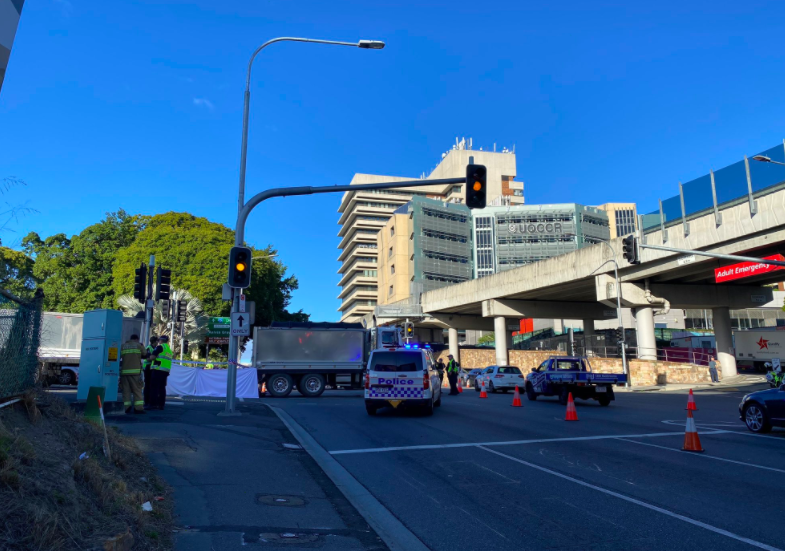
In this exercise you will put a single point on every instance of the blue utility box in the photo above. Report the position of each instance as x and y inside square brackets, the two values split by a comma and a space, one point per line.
[99, 363]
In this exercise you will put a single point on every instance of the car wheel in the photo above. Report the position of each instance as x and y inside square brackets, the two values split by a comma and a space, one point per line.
[756, 419]
[371, 409]
[280, 385]
[604, 400]
[476, 386]
[438, 402]
[564, 396]
[66, 378]
[428, 409]
[311, 385]
[530, 394]
[491, 387]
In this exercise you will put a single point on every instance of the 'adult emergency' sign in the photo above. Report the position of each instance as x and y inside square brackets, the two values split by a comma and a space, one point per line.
[747, 269]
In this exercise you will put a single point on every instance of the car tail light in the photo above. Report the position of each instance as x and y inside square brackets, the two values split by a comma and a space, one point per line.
[426, 382]
[520, 376]
[367, 381]
[498, 376]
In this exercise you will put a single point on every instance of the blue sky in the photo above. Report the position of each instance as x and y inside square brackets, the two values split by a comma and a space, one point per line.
[138, 104]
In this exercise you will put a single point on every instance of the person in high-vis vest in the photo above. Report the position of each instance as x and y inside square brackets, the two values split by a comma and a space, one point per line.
[131, 355]
[148, 366]
[452, 374]
[162, 364]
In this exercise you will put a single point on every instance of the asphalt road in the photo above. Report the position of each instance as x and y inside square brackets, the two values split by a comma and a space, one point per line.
[480, 474]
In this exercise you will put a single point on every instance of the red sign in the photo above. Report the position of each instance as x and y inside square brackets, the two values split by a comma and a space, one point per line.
[747, 269]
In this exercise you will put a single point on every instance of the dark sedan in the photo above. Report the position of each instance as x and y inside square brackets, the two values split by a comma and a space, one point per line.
[763, 409]
[468, 376]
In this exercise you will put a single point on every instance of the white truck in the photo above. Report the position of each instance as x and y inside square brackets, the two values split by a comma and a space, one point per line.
[61, 345]
[310, 356]
[757, 347]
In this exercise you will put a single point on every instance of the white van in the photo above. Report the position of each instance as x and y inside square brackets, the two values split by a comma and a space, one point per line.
[402, 377]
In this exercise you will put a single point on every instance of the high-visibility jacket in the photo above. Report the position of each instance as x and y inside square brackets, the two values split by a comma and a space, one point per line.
[165, 358]
[149, 363]
[209, 366]
[131, 356]
[452, 367]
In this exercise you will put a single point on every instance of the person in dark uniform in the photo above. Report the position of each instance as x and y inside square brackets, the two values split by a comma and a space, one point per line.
[452, 374]
[162, 363]
[440, 367]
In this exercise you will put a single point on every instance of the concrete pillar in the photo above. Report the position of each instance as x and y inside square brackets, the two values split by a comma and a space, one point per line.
[452, 340]
[588, 336]
[724, 336]
[647, 343]
[500, 337]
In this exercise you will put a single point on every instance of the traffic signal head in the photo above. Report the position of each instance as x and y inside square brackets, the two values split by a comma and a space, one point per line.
[181, 310]
[165, 306]
[240, 267]
[185, 347]
[140, 283]
[630, 249]
[163, 284]
[476, 186]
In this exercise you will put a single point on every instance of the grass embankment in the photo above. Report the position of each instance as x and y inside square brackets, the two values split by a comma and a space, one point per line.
[52, 500]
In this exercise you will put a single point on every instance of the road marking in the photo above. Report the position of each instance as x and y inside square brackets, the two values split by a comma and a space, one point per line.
[628, 499]
[747, 433]
[704, 455]
[507, 443]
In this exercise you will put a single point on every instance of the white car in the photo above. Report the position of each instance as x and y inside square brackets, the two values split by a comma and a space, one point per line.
[402, 377]
[499, 377]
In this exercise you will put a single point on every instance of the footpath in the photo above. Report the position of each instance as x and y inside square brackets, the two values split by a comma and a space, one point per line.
[727, 384]
[244, 482]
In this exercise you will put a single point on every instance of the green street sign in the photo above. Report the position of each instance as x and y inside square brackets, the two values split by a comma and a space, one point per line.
[218, 327]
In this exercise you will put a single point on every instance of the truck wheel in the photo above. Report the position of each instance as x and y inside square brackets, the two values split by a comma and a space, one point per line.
[604, 400]
[66, 377]
[530, 394]
[279, 385]
[311, 385]
[564, 396]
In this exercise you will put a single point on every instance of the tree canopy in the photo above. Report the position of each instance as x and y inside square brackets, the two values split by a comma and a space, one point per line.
[16, 273]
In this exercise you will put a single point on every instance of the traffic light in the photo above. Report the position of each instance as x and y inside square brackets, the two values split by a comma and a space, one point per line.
[408, 329]
[163, 283]
[240, 267]
[185, 347]
[476, 184]
[629, 247]
[181, 309]
[165, 310]
[140, 283]
[619, 335]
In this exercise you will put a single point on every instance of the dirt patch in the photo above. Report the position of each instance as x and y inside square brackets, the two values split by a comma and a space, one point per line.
[50, 499]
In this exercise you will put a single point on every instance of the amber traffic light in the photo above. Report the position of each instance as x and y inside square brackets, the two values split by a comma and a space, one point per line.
[240, 267]
[476, 186]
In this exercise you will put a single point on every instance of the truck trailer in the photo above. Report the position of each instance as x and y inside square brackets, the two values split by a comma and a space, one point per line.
[757, 347]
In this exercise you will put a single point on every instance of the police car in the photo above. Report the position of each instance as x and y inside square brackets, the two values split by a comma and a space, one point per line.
[402, 377]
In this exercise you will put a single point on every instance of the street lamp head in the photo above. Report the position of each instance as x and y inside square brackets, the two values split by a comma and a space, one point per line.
[371, 44]
[762, 158]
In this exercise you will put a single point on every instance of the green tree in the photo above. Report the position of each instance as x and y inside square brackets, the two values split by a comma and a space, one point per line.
[16, 273]
[196, 250]
[76, 273]
[488, 339]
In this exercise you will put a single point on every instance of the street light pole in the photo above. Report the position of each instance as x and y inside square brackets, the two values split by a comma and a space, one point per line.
[620, 321]
[234, 343]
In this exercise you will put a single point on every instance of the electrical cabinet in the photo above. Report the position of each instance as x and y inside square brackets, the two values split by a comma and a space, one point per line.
[99, 363]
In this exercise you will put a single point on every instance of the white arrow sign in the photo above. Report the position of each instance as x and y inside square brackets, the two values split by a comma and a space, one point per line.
[241, 326]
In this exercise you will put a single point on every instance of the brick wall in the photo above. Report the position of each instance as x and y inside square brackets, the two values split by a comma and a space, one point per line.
[472, 358]
[648, 372]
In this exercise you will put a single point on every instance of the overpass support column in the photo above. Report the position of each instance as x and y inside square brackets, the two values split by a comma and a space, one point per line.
[588, 335]
[500, 337]
[647, 343]
[724, 335]
[452, 341]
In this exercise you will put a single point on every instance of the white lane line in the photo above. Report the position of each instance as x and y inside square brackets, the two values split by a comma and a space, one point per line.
[508, 443]
[747, 433]
[704, 455]
[649, 506]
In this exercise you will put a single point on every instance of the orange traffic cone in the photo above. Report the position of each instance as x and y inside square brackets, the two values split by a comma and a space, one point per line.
[516, 399]
[691, 441]
[483, 394]
[264, 388]
[572, 415]
[460, 387]
[691, 403]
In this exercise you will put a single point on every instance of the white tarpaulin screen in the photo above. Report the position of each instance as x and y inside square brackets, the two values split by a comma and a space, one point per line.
[191, 381]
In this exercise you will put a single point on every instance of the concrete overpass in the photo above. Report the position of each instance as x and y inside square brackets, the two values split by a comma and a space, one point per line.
[578, 286]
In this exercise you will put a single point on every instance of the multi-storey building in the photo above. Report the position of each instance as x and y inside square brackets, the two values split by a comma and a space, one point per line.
[622, 217]
[364, 213]
[508, 237]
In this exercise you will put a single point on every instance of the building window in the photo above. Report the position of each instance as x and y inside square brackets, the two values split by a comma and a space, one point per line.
[625, 222]
[391, 253]
[392, 268]
[392, 231]
[390, 291]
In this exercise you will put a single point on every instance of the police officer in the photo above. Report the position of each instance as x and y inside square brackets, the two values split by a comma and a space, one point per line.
[162, 364]
[440, 367]
[452, 374]
[148, 378]
[131, 354]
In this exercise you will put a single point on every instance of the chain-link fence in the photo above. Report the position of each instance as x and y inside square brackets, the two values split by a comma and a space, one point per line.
[20, 334]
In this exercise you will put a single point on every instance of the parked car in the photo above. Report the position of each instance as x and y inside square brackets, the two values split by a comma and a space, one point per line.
[468, 376]
[499, 377]
[764, 409]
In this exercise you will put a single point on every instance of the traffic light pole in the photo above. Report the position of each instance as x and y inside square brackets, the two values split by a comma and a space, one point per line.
[239, 239]
[149, 302]
[735, 257]
[620, 319]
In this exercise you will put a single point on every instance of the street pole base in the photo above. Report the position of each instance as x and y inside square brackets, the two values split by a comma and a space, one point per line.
[225, 413]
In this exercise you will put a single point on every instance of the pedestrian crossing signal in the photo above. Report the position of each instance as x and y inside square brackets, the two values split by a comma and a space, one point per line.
[476, 184]
[240, 267]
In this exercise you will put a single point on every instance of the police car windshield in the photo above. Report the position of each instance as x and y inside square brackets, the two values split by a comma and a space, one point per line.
[396, 361]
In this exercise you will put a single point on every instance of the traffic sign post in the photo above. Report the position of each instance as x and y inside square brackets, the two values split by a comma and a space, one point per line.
[241, 325]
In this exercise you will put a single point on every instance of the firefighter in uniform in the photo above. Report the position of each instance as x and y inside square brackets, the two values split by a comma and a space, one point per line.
[131, 355]
[452, 374]
[162, 364]
[148, 377]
